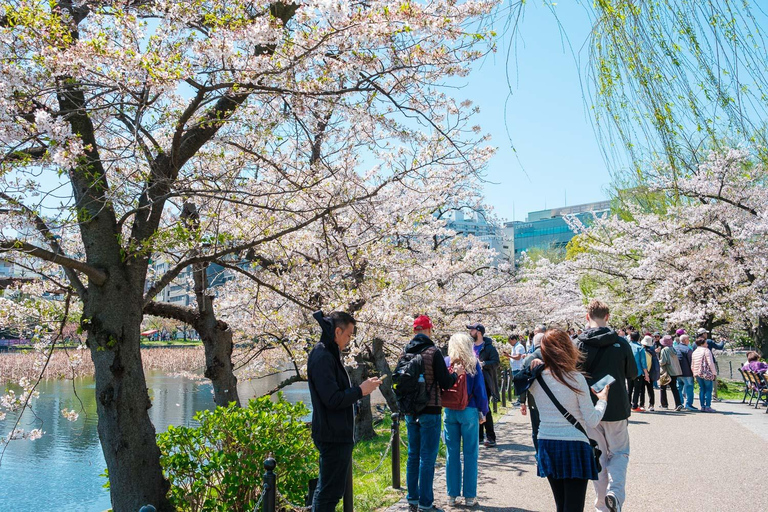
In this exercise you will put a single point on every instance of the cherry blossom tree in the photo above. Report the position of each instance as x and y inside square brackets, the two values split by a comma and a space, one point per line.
[113, 116]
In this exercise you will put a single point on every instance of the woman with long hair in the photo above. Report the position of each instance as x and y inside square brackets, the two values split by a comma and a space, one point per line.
[565, 456]
[464, 425]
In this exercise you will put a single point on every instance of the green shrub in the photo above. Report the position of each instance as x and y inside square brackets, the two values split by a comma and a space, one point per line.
[219, 465]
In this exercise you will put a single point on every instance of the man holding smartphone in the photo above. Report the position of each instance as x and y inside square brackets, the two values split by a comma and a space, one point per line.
[606, 353]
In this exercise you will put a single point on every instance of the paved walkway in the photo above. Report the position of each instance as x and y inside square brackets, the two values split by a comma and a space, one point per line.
[679, 462]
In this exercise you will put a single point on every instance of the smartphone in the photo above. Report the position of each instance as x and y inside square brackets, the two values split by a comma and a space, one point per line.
[600, 385]
[382, 377]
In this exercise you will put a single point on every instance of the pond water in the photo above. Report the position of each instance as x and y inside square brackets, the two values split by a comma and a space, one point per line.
[61, 470]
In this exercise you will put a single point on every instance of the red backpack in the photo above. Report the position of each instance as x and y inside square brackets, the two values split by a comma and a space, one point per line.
[456, 397]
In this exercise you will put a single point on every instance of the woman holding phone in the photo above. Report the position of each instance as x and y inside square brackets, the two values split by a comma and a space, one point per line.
[565, 457]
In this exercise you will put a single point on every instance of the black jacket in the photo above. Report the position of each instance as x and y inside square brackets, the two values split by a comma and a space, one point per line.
[491, 361]
[607, 353]
[444, 379]
[331, 391]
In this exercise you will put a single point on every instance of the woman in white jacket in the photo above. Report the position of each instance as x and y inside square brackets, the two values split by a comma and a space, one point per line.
[565, 457]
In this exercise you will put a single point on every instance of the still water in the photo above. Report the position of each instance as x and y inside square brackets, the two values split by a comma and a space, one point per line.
[61, 470]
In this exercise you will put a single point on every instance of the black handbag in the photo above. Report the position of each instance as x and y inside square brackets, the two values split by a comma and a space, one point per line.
[596, 452]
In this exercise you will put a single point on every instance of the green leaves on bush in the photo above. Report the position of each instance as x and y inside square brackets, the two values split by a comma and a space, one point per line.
[219, 465]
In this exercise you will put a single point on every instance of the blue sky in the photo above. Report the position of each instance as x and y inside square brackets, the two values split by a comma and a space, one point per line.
[548, 119]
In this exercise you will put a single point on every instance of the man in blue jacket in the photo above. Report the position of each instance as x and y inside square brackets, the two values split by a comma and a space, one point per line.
[333, 396]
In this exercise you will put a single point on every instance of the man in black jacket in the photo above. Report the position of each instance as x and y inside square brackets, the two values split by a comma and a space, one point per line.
[424, 428]
[333, 396]
[489, 360]
[608, 354]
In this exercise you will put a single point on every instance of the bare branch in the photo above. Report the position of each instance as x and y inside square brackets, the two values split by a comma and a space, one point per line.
[95, 276]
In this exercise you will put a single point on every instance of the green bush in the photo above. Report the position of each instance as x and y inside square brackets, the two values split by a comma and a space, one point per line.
[219, 465]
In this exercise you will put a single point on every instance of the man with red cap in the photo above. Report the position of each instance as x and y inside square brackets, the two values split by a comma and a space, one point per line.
[424, 428]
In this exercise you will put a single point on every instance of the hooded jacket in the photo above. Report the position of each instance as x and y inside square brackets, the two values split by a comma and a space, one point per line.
[605, 353]
[439, 373]
[330, 389]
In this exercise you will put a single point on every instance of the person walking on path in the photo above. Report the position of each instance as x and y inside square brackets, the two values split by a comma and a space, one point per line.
[605, 353]
[522, 381]
[333, 396]
[703, 367]
[646, 385]
[565, 456]
[489, 361]
[516, 359]
[670, 371]
[424, 427]
[462, 426]
[712, 345]
[685, 381]
[635, 385]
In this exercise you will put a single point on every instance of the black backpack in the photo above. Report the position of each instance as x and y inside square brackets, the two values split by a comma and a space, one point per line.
[409, 384]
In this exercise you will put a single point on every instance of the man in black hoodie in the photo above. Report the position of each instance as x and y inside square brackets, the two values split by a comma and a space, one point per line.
[332, 393]
[490, 361]
[608, 354]
[424, 428]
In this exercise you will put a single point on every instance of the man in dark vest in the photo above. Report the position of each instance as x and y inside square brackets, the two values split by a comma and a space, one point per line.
[333, 396]
[424, 428]
[489, 360]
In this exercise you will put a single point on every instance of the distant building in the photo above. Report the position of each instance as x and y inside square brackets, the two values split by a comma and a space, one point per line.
[547, 229]
[476, 223]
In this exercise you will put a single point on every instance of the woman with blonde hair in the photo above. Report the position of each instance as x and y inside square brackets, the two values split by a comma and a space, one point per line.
[464, 425]
[565, 456]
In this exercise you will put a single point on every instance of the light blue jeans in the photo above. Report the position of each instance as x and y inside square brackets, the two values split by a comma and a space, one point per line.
[705, 391]
[461, 426]
[423, 443]
[685, 387]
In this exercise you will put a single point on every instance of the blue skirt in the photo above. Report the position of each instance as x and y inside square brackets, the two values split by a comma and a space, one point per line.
[566, 459]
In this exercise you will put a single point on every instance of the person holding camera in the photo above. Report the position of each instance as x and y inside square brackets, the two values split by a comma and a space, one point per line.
[565, 455]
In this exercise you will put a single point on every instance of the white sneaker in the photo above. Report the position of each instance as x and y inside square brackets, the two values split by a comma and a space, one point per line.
[612, 503]
[453, 500]
[471, 502]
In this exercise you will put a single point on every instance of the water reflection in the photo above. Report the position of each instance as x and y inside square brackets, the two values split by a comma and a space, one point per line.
[61, 470]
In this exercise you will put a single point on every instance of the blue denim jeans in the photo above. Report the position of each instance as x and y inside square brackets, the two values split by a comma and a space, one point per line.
[685, 387]
[461, 426]
[705, 391]
[423, 443]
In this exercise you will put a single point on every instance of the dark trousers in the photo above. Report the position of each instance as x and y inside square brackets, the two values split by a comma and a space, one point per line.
[569, 493]
[646, 388]
[675, 393]
[335, 462]
[486, 429]
[630, 389]
[535, 420]
[638, 391]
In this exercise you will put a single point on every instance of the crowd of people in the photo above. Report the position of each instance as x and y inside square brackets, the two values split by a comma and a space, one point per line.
[579, 388]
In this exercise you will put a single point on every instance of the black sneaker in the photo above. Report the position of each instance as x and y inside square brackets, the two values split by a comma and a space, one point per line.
[490, 444]
[612, 503]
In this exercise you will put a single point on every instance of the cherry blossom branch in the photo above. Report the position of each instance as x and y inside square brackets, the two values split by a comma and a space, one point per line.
[95, 276]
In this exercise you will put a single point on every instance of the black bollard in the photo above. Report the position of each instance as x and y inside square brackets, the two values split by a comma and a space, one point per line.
[510, 386]
[504, 384]
[349, 494]
[270, 486]
[494, 405]
[395, 451]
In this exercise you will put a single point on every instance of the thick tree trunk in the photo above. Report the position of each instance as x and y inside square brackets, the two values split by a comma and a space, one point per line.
[363, 416]
[112, 315]
[761, 335]
[379, 360]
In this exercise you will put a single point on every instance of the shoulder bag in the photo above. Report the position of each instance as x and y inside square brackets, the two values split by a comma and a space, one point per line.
[573, 421]
[705, 372]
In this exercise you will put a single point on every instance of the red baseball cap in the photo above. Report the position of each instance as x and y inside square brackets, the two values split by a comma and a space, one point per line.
[422, 323]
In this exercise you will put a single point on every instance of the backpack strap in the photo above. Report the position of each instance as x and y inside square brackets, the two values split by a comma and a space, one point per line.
[573, 421]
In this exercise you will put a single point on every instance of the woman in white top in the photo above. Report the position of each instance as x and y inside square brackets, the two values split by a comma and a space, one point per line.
[565, 457]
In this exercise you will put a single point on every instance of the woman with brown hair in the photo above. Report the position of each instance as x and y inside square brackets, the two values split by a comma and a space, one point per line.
[565, 456]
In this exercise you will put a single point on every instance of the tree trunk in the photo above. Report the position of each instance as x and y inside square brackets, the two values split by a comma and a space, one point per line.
[761, 335]
[112, 315]
[379, 360]
[363, 416]
[217, 340]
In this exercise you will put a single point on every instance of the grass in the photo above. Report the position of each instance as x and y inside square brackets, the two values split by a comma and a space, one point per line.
[726, 389]
[374, 492]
